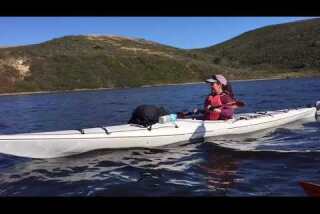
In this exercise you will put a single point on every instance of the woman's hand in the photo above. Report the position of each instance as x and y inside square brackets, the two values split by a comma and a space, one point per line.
[217, 110]
[214, 108]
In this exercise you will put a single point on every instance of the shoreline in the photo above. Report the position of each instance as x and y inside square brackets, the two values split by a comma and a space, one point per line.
[143, 86]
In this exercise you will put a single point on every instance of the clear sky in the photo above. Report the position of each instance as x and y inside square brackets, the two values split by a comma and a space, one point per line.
[180, 32]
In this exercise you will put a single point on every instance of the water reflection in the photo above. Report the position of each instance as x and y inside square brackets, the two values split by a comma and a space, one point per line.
[220, 170]
[109, 167]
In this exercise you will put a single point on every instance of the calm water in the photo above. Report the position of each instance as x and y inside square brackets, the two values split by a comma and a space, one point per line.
[263, 164]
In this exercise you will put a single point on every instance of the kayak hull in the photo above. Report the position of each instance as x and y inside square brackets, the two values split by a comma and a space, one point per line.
[71, 142]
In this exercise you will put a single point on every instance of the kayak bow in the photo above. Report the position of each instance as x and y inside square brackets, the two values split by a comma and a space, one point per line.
[310, 189]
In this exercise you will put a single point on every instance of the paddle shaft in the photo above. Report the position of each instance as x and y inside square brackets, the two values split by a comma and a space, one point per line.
[235, 103]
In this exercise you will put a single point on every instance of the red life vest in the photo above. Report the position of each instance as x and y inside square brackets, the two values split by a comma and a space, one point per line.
[212, 101]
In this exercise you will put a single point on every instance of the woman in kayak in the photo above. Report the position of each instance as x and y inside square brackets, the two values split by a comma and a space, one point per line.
[220, 104]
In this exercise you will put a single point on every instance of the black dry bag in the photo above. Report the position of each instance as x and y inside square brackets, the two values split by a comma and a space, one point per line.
[147, 115]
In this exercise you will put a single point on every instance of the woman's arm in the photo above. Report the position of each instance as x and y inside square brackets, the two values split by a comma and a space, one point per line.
[226, 113]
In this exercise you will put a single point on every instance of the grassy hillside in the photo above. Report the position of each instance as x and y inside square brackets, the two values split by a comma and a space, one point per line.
[293, 47]
[75, 62]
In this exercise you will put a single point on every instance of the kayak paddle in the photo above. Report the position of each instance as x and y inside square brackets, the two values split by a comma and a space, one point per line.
[238, 104]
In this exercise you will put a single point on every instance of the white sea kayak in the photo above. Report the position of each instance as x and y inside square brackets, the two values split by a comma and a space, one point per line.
[71, 142]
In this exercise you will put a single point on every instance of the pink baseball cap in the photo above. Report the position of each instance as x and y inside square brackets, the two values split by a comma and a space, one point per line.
[217, 78]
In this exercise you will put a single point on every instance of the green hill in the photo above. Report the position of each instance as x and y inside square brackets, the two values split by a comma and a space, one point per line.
[290, 47]
[88, 62]
[76, 62]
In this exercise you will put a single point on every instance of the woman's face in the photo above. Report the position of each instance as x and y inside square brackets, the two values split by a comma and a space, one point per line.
[216, 88]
